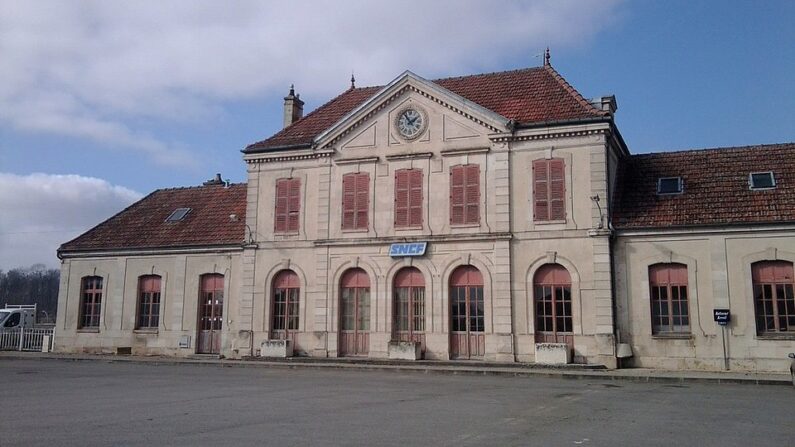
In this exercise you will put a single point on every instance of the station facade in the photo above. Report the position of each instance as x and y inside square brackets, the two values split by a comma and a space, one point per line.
[478, 217]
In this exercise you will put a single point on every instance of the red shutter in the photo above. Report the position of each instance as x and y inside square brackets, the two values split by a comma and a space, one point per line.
[472, 193]
[457, 203]
[401, 198]
[415, 197]
[348, 201]
[362, 200]
[280, 214]
[294, 205]
[540, 190]
[557, 190]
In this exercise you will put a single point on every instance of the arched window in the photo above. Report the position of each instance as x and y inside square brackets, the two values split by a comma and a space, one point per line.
[774, 302]
[148, 302]
[668, 291]
[467, 315]
[409, 306]
[90, 302]
[286, 293]
[552, 293]
[355, 312]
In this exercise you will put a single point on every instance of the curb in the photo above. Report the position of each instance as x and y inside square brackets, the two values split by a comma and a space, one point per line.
[462, 370]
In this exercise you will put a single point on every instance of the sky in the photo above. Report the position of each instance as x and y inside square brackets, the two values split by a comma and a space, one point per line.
[102, 102]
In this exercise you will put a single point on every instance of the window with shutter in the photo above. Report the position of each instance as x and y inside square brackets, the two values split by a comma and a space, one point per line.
[408, 198]
[465, 194]
[355, 201]
[288, 205]
[549, 190]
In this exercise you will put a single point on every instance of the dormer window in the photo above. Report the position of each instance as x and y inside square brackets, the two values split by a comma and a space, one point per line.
[669, 185]
[178, 215]
[761, 180]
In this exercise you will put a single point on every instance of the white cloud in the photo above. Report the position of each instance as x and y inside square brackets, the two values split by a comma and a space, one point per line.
[39, 212]
[98, 70]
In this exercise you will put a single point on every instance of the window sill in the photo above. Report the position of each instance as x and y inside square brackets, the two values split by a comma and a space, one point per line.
[465, 225]
[150, 331]
[355, 230]
[673, 336]
[549, 222]
[88, 330]
[779, 336]
[408, 228]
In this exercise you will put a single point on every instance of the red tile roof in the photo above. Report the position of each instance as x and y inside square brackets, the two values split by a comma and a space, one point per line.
[716, 190]
[530, 95]
[143, 224]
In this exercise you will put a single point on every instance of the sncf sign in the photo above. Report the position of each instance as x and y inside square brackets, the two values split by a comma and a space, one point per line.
[407, 249]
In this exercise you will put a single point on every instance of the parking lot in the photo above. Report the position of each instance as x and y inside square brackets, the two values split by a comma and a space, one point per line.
[68, 403]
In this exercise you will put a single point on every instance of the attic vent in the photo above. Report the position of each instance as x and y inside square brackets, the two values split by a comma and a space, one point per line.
[761, 180]
[178, 215]
[669, 185]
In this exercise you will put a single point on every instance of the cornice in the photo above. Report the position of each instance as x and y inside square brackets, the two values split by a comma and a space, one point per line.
[351, 161]
[288, 157]
[410, 156]
[511, 138]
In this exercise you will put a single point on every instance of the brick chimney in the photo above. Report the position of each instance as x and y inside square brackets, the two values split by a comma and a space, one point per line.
[293, 107]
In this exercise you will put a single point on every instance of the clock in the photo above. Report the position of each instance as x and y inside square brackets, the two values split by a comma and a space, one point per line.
[410, 123]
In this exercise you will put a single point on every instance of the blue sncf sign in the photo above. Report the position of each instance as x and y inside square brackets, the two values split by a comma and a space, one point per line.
[407, 249]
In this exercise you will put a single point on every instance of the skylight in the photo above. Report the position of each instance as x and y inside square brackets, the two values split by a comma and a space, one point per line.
[669, 185]
[761, 180]
[178, 215]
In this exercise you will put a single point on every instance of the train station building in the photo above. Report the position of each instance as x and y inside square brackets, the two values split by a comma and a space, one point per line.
[497, 216]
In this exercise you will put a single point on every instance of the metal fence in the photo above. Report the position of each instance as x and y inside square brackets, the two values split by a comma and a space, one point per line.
[25, 339]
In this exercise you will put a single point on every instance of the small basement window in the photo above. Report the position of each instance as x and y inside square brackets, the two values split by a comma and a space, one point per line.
[762, 180]
[178, 215]
[669, 185]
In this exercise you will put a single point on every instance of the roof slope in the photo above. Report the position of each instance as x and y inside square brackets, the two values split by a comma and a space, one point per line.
[529, 95]
[143, 224]
[716, 189]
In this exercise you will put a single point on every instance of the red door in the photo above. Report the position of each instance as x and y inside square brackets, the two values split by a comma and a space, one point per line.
[467, 322]
[409, 307]
[286, 292]
[552, 293]
[355, 313]
[211, 314]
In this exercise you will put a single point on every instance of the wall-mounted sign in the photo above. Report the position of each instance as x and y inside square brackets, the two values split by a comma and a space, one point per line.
[407, 249]
[722, 316]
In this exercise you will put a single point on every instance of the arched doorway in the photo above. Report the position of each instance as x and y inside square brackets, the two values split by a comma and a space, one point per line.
[408, 316]
[554, 322]
[467, 322]
[285, 310]
[211, 314]
[354, 313]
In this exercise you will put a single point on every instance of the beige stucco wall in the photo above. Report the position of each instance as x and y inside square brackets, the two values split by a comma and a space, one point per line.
[719, 276]
[178, 306]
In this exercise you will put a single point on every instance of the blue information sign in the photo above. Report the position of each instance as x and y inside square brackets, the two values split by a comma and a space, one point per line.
[407, 249]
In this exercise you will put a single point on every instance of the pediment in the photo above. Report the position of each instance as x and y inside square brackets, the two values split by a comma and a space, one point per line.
[461, 118]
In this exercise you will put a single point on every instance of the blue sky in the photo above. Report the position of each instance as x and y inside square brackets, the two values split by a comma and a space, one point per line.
[101, 102]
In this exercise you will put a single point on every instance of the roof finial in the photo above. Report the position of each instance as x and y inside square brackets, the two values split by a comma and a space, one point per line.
[353, 80]
[292, 90]
[546, 57]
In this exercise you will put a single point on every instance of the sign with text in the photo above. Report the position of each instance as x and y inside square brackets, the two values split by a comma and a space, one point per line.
[407, 249]
[722, 316]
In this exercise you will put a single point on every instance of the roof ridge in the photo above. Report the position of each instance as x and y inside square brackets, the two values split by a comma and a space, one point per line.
[491, 73]
[718, 148]
[572, 91]
[176, 188]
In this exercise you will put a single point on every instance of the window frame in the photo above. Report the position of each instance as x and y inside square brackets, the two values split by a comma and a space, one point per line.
[414, 199]
[152, 299]
[679, 186]
[288, 190]
[548, 195]
[753, 187]
[469, 193]
[90, 297]
[776, 302]
[669, 286]
[360, 202]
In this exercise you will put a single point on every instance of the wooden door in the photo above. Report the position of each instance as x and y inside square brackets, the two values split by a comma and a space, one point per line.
[408, 322]
[354, 313]
[211, 314]
[467, 316]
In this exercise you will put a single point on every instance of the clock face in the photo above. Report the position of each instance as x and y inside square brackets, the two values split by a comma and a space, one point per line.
[410, 123]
